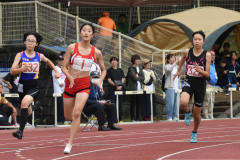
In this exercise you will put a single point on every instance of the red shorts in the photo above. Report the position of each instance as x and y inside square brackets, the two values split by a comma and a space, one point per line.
[80, 85]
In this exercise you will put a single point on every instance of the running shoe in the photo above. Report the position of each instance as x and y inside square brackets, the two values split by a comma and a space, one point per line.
[188, 117]
[193, 138]
[18, 134]
[67, 149]
[28, 124]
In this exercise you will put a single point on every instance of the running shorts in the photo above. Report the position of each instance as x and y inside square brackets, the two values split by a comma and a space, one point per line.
[196, 86]
[81, 85]
[28, 87]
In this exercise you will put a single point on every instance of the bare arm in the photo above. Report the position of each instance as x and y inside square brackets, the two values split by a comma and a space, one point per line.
[111, 82]
[184, 57]
[15, 68]
[66, 61]
[208, 63]
[6, 82]
[98, 56]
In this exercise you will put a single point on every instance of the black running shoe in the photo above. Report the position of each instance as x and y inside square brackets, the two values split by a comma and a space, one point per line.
[18, 134]
[40, 108]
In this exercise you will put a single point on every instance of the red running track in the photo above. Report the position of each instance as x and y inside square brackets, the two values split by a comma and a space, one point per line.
[218, 139]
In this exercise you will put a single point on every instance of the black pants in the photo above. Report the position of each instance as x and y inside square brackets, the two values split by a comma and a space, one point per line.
[112, 97]
[60, 111]
[223, 81]
[135, 102]
[99, 110]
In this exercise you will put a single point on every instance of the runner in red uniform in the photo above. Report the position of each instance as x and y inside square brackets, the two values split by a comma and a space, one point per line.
[79, 57]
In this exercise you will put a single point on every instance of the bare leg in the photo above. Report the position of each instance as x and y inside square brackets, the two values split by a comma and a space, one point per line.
[184, 101]
[80, 102]
[197, 118]
[14, 117]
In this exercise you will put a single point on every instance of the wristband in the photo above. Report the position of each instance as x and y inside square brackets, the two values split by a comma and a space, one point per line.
[2, 95]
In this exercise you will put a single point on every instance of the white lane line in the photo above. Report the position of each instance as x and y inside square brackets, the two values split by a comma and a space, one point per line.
[150, 137]
[216, 145]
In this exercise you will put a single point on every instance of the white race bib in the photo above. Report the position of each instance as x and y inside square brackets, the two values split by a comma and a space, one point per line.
[192, 71]
[82, 64]
[34, 67]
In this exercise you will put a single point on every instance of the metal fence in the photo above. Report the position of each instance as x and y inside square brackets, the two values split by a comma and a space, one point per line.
[21, 17]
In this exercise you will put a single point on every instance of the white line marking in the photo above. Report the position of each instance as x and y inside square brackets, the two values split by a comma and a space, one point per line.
[195, 149]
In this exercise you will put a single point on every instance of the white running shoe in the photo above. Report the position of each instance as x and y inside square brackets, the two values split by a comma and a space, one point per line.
[67, 149]
[28, 124]
[169, 119]
[17, 124]
[174, 119]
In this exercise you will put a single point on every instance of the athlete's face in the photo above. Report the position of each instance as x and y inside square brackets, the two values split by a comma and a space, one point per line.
[31, 42]
[137, 62]
[198, 41]
[86, 33]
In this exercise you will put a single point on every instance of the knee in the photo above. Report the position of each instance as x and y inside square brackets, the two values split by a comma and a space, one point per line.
[24, 103]
[183, 103]
[196, 113]
[100, 106]
[77, 113]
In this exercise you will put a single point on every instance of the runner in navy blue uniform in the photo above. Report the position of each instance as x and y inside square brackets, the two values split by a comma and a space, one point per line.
[197, 69]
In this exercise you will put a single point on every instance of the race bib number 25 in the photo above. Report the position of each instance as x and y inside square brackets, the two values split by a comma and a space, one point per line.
[192, 71]
[34, 67]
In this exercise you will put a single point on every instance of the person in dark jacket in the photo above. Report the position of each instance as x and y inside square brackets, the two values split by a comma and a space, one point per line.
[134, 79]
[97, 105]
[222, 74]
[234, 69]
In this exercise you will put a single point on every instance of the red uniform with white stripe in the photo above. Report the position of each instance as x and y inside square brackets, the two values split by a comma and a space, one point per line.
[82, 63]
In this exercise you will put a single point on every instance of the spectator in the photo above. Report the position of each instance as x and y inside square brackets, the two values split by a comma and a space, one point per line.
[148, 84]
[225, 53]
[62, 54]
[115, 78]
[134, 79]
[170, 86]
[12, 82]
[58, 85]
[211, 81]
[233, 68]
[215, 48]
[97, 105]
[105, 37]
[96, 67]
[222, 74]
[122, 25]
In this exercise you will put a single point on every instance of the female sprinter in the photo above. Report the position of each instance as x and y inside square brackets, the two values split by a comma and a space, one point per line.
[197, 68]
[27, 64]
[79, 57]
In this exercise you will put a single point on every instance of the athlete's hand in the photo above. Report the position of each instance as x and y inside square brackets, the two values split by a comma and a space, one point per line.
[225, 72]
[71, 79]
[26, 66]
[99, 85]
[56, 75]
[197, 67]
[176, 61]
[177, 74]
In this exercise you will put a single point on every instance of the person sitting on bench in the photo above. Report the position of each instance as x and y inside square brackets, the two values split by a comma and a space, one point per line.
[97, 105]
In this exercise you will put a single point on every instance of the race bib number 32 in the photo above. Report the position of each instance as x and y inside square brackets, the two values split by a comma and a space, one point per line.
[34, 67]
[192, 71]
